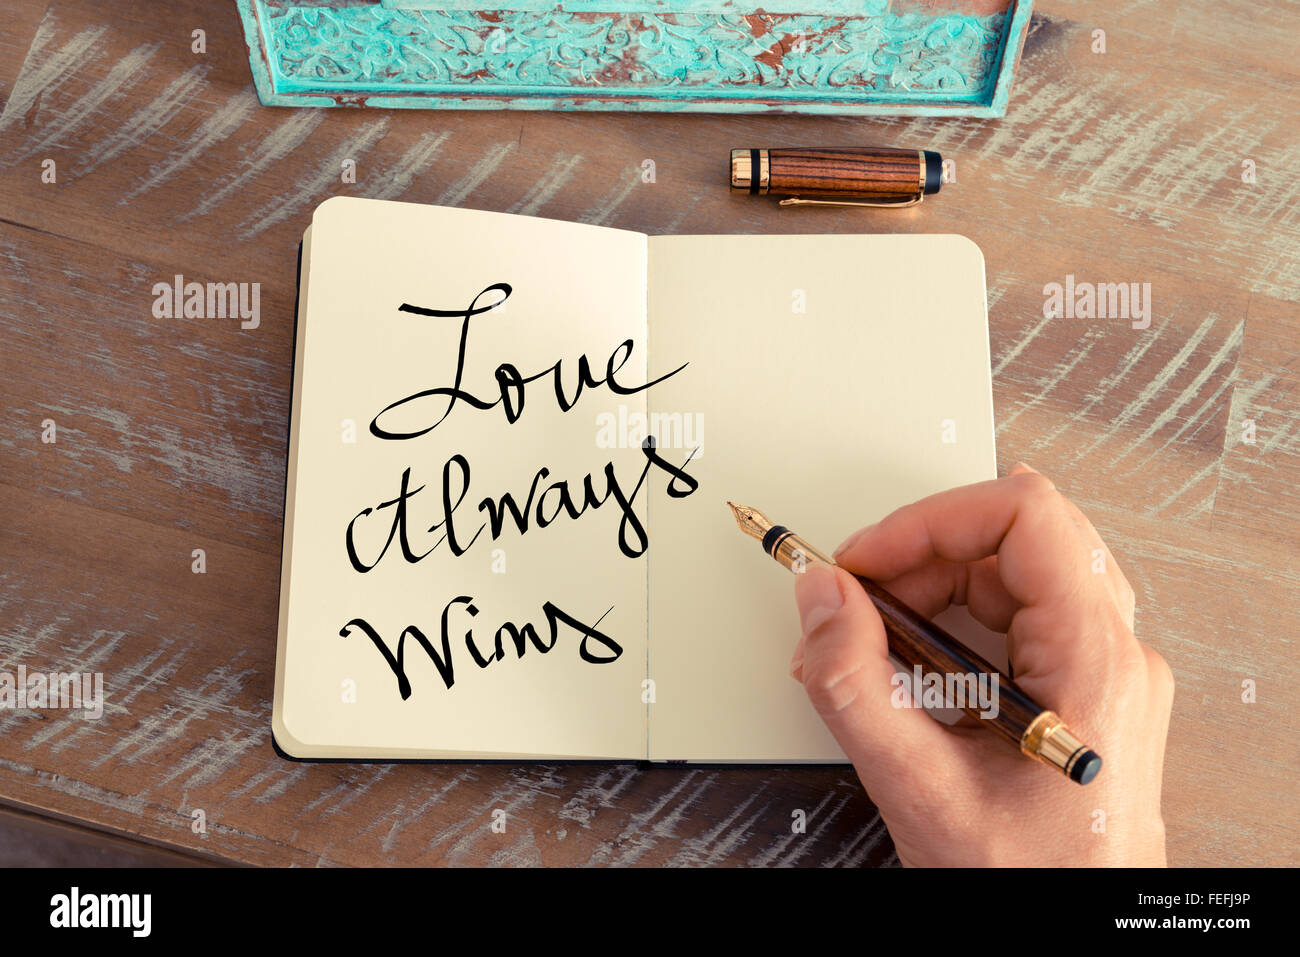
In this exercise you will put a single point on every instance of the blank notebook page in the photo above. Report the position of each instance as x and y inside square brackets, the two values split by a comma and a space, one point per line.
[836, 378]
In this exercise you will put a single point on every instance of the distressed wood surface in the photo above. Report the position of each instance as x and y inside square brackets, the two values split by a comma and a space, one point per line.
[1123, 166]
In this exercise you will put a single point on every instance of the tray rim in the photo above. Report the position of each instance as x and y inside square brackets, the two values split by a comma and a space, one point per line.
[991, 105]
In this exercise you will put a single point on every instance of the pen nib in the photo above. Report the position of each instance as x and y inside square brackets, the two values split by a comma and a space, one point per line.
[750, 520]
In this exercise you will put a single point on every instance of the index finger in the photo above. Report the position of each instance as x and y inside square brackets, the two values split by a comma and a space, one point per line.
[1020, 518]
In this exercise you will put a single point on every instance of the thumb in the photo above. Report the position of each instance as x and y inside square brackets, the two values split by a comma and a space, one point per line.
[847, 674]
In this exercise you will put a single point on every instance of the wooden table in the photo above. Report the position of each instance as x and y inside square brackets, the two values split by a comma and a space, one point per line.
[1122, 166]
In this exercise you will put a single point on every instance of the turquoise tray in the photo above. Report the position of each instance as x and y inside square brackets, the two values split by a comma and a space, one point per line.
[866, 57]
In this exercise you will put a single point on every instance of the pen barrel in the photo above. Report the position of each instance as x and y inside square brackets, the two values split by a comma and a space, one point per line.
[915, 640]
[868, 172]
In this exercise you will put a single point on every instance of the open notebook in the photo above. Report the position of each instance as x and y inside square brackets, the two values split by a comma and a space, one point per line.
[482, 557]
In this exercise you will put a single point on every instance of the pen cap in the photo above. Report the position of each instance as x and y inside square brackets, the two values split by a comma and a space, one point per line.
[836, 171]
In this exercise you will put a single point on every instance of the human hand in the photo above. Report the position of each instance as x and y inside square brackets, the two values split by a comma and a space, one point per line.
[1021, 557]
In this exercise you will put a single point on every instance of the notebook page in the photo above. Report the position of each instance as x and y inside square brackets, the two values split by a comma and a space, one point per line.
[575, 291]
[832, 379]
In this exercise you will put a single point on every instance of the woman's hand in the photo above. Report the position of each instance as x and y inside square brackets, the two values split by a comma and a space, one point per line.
[1026, 562]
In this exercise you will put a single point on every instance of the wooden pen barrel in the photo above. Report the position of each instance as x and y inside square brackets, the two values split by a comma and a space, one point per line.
[921, 644]
[915, 640]
[831, 171]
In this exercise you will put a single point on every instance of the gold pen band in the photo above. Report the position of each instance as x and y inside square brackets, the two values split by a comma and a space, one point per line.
[791, 550]
[1050, 741]
[751, 171]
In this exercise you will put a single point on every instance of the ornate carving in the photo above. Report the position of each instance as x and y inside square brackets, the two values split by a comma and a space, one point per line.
[375, 51]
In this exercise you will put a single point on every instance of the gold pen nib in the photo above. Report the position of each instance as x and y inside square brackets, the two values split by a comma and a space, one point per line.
[751, 521]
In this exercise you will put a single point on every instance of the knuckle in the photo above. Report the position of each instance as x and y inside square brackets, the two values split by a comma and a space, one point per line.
[1035, 484]
[832, 686]
[1162, 676]
[1126, 590]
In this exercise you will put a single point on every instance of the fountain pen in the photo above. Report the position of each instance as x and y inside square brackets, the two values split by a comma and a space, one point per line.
[917, 641]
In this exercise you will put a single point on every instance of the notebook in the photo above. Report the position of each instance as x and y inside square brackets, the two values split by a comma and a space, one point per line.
[484, 557]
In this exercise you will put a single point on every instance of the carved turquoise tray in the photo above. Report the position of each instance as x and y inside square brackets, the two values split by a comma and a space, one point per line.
[861, 57]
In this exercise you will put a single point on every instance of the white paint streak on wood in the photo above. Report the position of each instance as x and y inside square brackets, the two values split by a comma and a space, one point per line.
[544, 190]
[1106, 385]
[1019, 347]
[216, 695]
[403, 817]
[822, 824]
[149, 119]
[1200, 418]
[400, 177]
[582, 806]
[722, 841]
[349, 789]
[1210, 468]
[1180, 178]
[1225, 354]
[278, 144]
[121, 685]
[647, 828]
[790, 847]
[1241, 406]
[515, 796]
[215, 129]
[944, 137]
[79, 790]
[1060, 372]
[124, 73]
[1156, 386]
[311, 186]
[280, 774]
[35, 80]
[1243, 395]
[464, 187]
[1035, 103]
[214, 755]
[1278, 439]
[1190, 555]
[249, 479]
[1126, 142]
[604, 211]
[994, 296]
[1062, 133]
[1037, 140]
[856, 852]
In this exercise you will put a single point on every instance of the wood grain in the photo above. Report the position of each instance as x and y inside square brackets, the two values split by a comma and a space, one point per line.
[1123, 166]
[847, 172]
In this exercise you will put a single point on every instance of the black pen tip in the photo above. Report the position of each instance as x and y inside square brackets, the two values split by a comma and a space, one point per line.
[933, 172]
[1086, 768]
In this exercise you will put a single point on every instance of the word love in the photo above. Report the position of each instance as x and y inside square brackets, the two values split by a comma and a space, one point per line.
[519, 637]
[512, 385]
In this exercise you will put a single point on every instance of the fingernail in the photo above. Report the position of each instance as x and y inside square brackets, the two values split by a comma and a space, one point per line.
[848, 542]
[1023, 467]
[818, 595]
